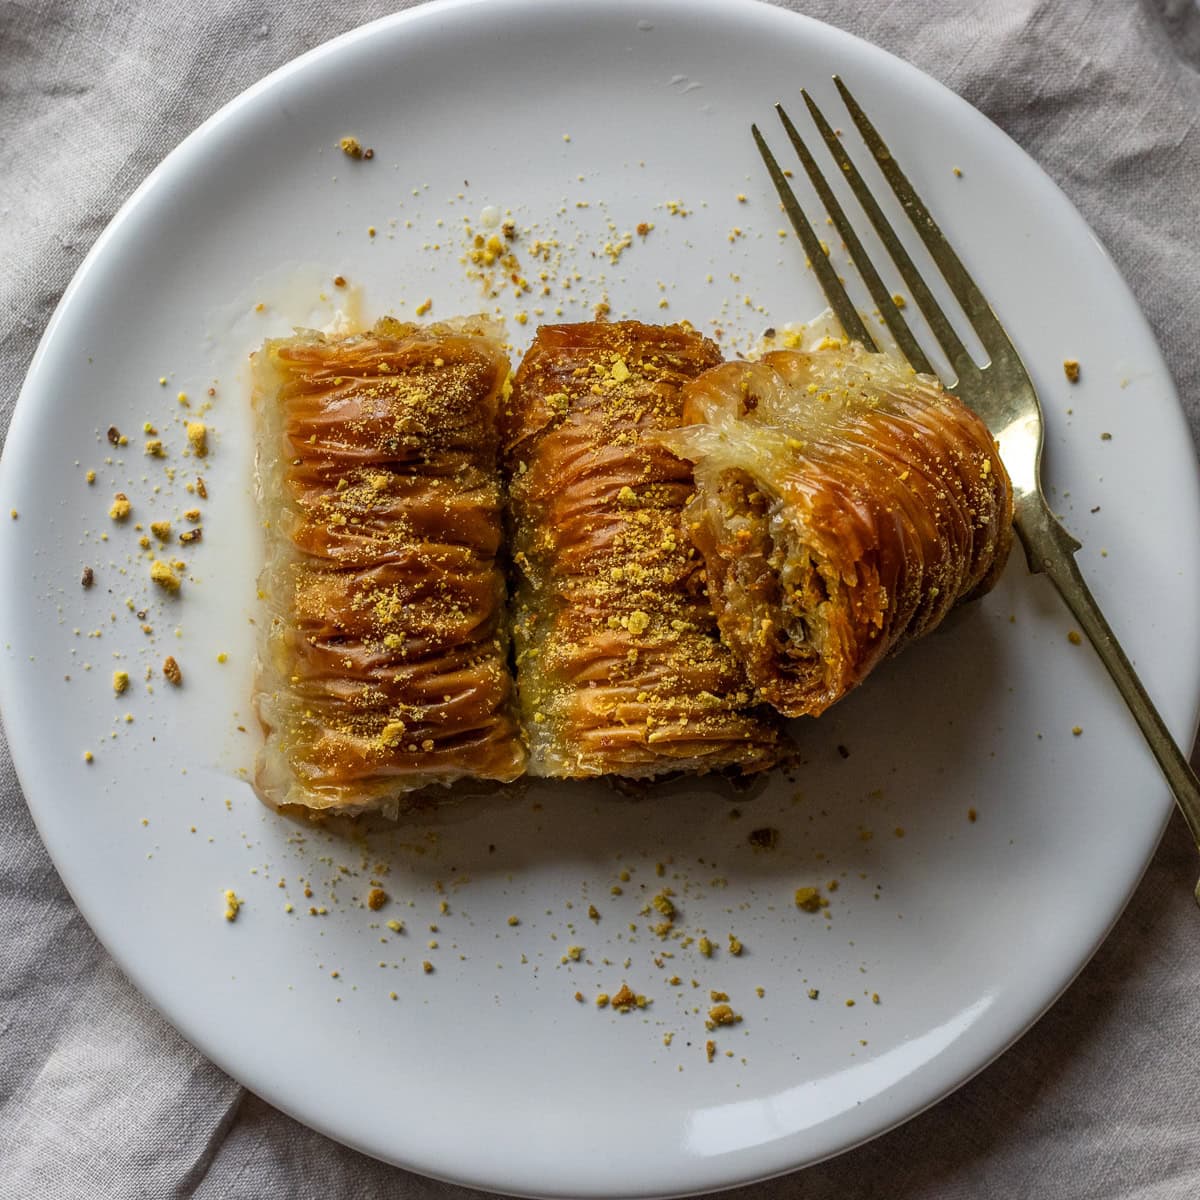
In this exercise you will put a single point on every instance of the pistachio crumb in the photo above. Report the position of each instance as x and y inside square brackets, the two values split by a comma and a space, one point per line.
[162, 574]
[766, 838]
[721, 1014]
[197, 436]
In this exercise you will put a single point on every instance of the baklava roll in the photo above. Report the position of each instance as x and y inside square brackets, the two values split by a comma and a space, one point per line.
[620, 666]
[844, 505]
[383, 658]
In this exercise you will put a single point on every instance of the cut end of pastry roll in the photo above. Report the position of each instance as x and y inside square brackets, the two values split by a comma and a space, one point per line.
[620, 666]
[383, 653]
[844, 504]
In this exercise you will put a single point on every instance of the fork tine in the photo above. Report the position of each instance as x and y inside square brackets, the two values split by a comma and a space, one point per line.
[939, 323]
[831, 285]
[879, 293]
[991, 333]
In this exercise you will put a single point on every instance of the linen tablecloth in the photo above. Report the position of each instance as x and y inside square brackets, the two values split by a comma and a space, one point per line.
[101, 1098]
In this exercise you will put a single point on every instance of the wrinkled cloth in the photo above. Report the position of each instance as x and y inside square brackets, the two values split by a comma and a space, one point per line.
[101, 1098]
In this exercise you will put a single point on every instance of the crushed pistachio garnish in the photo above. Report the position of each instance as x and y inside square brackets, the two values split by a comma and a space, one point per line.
[721, 1014]
[162, 574]
[197, 436]
[766, 838]
[625, 1000]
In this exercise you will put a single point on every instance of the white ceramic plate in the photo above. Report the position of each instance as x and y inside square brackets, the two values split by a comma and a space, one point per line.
[583, 120]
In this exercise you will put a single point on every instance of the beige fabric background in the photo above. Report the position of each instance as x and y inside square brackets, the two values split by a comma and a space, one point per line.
[100, 1098]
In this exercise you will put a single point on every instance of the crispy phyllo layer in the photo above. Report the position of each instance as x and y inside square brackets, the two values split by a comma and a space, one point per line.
[620, 665]
[844, 505]
[383, 656]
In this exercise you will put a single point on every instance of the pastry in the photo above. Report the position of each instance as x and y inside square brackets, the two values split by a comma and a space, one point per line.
[383, 663]
[620, 666]
[844, 505]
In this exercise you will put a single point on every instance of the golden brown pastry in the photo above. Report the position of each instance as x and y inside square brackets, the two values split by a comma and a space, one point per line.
[383, 659]
[620, 666]
[844, 504]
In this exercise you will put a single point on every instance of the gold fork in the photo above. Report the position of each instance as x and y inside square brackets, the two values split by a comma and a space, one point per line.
[1000, 391]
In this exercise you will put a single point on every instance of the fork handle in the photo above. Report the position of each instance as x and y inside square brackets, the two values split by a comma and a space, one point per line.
[1050, 548]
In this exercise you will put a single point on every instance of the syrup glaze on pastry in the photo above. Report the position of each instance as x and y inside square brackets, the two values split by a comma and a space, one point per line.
[844, 505]
[383, 656]
[620, 666]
